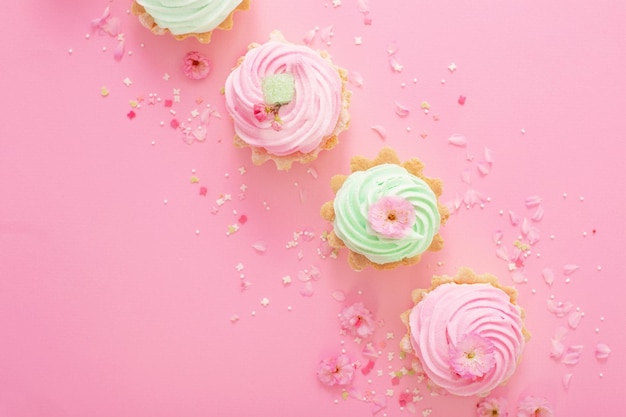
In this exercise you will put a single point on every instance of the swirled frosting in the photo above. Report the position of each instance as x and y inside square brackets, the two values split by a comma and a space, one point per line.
[364, 188]
[449, 313]
[306, 120]
[189, 16]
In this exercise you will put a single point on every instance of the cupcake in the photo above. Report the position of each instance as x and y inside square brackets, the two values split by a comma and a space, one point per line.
[287, 102]
[189, 18]
[386, 213]
[466, 331]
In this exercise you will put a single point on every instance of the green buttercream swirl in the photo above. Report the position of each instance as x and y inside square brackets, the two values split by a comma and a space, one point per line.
[363, 188]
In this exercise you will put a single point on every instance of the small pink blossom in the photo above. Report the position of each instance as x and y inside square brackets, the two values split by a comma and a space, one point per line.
[196, 66]
[472, 357]
[534, 407]
[277, 125]
[491, 407]
[336, 371]
[357, 320]
[260, 113]
[391, 216]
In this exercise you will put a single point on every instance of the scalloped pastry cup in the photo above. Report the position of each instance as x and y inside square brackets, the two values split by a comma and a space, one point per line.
[205, 37]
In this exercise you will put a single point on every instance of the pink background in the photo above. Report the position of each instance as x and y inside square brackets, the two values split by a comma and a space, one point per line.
[118, 282]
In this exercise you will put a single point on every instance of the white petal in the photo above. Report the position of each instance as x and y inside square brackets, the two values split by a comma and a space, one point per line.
[513, 217]
[537, 215]
[533, 201]
[260, 246]
[572, 355]
[355, 78]
[574, 319]
[488, 154]
[567, 378]
[569, 269]
[401, 110]
[338, 296]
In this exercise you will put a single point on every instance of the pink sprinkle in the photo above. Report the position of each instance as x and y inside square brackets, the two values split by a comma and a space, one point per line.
[461, 100]
[243, 219]
[131, 115]
[174, 123]
[203, 191]
[168, 103]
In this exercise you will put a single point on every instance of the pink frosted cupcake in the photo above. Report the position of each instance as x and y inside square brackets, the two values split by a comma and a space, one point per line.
[189, 18]
[287, 102]
[467, 332]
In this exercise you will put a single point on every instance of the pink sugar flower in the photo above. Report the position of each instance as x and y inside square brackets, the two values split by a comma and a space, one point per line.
[357, 320]
[336, 371]
[472, 357]
[196, 66]
[534, 407]
[491, 407]
[391, 216]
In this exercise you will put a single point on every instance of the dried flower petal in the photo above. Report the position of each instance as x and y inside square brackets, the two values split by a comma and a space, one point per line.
[338, 296]
[602, 351]
[260, 246]
[532, 201]
[457, 140]
[307, 289]
[326, 33]
[569, 269]
[401, 110]
[513, 218]
[309, 36]
[355, 78]
[537, 215]
[567, 378]
[573, 320]
[559, 309]
[518, 276]
[483, 168]
[488, 155]
[572, 355]
[548, 276]
[380, 131]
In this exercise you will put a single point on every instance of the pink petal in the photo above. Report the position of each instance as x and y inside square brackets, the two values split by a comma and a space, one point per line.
[303, 276]
[567, 378]
[395, 64]
[260, 247]
[483, 168]
[367, 18]
[559, 309]
[380, 131]
[309, 36]
[466, 176]
[355, 78]
[307, 289]
[200, 133]
[370, 352]
[569, 269]
[525, 228]
[602, 351]
[533, 236]
[574, 319]
[338, 296]
[532, 201]
[312, 172]
[556, 349]
[471, 197]
[548, 276]
[401, 110]
[537, 215]
[497, 236]
[488, 155]
[458, 140]
[502, 253]
[513, 217]
[518, 276]
[325, 33]
[572, 355]
[364, 6]
[205, 115]
[315, 273]
[118, 54]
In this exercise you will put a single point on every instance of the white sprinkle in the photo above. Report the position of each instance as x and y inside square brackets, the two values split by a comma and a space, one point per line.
[601, 374]
[164, 201]
[87, 36]
[402, 85]
[70, 51]
[197, 232]
[599, 268]
[564, 195]
[253, 313]
[288, 308]
[597, 330]
[408, 129]
[523, 131]
[104, 48]
[552, 237]
[582, 198]
[534, 291]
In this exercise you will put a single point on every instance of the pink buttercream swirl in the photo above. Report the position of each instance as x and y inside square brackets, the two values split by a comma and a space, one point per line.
[306, 120]
[468, 337]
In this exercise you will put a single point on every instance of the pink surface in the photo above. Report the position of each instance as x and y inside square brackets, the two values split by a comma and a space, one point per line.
[120, 287]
